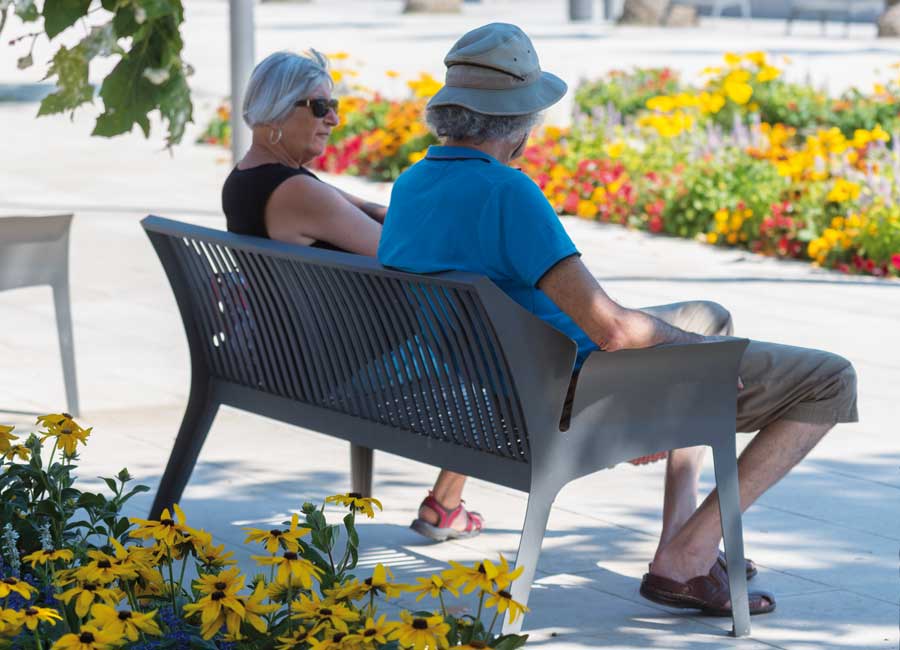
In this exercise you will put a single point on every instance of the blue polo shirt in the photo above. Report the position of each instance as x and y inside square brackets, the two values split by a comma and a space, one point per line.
[459, 209]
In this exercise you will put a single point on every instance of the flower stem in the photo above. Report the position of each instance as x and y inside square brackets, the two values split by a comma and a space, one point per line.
[443, 606]
[480, 604]
[172, 580]
[491, 628]
[37, 639]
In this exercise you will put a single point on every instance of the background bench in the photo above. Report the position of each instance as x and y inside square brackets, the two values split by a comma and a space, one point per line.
[443, 369]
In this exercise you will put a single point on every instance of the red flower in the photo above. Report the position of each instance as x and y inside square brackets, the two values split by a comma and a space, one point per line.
[656, 223]
[570, 205]
[895, 261]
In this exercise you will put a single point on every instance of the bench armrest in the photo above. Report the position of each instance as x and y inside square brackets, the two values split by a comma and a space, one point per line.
[633, 402]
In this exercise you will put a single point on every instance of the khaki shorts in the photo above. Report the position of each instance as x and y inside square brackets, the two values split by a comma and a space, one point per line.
[780, 381]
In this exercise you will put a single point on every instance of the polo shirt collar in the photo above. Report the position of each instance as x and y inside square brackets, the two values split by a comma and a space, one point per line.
[438, 152]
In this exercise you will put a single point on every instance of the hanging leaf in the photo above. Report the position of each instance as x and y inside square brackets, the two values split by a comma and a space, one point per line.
[70, 67]
[60, 14]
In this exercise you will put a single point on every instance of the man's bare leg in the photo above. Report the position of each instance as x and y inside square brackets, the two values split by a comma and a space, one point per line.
[680, 501]
[447, 491]
[769, 456]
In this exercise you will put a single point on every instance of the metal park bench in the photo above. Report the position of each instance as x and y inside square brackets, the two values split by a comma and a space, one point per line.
[848, 8]
[34, 251]
[443, 369]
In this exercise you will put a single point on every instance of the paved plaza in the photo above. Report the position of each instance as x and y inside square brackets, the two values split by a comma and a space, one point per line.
[826, 538]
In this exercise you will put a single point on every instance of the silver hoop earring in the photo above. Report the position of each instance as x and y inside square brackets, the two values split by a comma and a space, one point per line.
[277, 138]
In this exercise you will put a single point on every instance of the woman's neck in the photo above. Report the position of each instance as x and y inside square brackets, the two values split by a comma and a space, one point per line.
[264, 152]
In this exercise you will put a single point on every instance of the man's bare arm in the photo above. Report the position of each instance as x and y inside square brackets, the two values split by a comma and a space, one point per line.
[611, 326]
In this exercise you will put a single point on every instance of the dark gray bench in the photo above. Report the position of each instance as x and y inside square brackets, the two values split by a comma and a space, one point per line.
[443, 369]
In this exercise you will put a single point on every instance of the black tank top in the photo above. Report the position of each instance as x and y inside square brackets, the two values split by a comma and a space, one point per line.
[246, 192]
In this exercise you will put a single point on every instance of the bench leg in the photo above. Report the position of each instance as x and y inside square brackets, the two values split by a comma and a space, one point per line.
[63, 308]
[536, 515]
[198, 418]
[724, 457]
[361, 470]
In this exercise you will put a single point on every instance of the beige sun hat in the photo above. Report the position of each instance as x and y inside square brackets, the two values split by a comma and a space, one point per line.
[494, 70]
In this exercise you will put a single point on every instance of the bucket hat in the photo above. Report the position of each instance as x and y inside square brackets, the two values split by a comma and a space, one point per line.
[494, 70]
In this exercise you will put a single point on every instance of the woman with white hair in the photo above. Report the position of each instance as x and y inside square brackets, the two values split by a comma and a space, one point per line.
[271, 193]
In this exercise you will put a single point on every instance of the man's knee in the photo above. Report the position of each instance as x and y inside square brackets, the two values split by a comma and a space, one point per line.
[719, 318]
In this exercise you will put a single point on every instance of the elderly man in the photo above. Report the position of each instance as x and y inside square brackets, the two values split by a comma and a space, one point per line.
[463, 208]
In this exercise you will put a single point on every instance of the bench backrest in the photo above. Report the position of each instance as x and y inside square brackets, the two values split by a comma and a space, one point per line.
[414, 352]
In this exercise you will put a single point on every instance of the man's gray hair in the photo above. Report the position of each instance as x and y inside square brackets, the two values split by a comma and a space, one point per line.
[460, 123]
[278, 81]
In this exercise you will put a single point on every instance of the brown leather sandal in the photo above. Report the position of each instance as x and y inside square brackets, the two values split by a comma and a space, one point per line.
[707, 593]
[751, 566]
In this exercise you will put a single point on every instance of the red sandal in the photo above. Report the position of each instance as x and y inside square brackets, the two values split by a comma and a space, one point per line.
[444, 529]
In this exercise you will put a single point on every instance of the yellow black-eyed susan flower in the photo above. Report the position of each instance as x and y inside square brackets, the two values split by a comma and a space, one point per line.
[87, 594]
[350, 590]
[254, 610]
[15, 586]
[311, 608]
[16, 451]
[89, 637]
[503, 601]
[421, 632]
[67, 432]
[228, 580]
[215, 557]
[291, 566]
[167, 530]
[378, 582]
[104, 568]
[372, 632]
[432, 586]
[276, 538]
[43, 556]
[334, 640]
[213, 609]
[300, 638]
[124, 622]
[33, 616]
[356, 502]
[6, 438]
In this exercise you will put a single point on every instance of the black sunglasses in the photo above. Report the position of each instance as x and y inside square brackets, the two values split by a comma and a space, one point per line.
[319, 106]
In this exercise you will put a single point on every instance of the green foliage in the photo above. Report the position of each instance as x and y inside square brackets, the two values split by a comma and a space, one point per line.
[149, 76]
[627, 92]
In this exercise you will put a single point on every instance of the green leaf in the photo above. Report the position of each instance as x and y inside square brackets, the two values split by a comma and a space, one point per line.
[60, 14]
[27, 10]
[71, 70]
[510, 642]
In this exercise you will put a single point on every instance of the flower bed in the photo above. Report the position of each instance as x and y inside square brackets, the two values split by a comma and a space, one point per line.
[743, 159]
[76, 575]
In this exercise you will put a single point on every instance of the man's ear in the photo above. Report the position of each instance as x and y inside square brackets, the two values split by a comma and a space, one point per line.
[520, 148]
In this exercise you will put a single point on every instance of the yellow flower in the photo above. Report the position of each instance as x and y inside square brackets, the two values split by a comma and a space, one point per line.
[420, 633]
[87, 594]
[42, 557]
[757, 58]
[416, 156]
[89, 637]
[229, 581]
[712, 238]
[167, 530]
[391, 74]
[337, 75]
[34, 616]
[213, 609]
[661, 103]
[482, 575]
[503, 600]
[334, 641]
[350, 590]
[379, 584]
[6, 438]
[614, 149]
[738, 91]
[432, 586]
[372, 632]
[843, 191]
[14, 451]
[356, 502]
[311, 608]
[338, 56]
[292, 566]
[598, 195]
[732, 59]
[15, 586]
[768, 73]
[124, 622]
[586, 209]
[298, 640]
[254, 610]
[276, 538]
[424, 86]
[105, 568]
[214, 557]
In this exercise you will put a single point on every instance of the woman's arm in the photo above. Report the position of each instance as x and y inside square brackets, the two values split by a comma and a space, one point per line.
[302, 210]
[375, 210]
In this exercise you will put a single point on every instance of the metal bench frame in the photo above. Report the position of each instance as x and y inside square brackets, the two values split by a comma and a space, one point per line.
[34, 251]
[443, 369]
